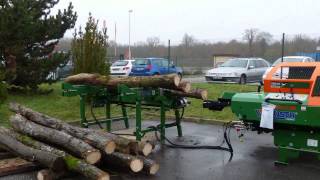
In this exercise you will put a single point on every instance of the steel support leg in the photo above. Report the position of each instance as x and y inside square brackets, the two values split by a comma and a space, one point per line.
[285, 154]
[108, 116]
[162, 123]
[125, 116]
[83, 120]
[178, 122]
[138, 121]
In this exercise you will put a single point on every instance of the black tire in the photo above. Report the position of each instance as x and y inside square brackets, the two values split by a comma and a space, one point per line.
[156, 74]
[243, 79]
[180, 75]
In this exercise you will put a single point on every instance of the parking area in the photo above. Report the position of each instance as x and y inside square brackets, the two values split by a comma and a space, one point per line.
[253, 158]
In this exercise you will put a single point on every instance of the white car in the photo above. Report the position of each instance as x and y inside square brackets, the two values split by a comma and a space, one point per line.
[121, 67]
[239, 70]
[288, 59]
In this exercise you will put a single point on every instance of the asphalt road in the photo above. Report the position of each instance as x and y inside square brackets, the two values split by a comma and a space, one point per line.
[253, 159]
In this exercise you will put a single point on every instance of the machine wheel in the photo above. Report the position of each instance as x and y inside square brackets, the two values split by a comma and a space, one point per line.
[243, 79]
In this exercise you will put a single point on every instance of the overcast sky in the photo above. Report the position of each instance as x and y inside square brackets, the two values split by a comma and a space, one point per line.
[212, 20]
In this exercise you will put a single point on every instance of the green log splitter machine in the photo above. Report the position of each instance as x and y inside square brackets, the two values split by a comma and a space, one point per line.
[155, 98]
[293, 89]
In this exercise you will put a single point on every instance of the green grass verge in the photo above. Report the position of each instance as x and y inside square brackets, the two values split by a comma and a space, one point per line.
[67, 108]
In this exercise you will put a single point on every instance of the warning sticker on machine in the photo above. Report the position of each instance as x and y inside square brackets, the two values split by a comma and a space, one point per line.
[312, 143]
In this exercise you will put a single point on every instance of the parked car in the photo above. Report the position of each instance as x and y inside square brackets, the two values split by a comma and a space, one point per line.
[121, 67]
[154, 66]
[288, 59]
[239, 70]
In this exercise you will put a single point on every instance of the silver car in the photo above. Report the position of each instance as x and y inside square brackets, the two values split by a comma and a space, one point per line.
[288, 59]
[239, 70]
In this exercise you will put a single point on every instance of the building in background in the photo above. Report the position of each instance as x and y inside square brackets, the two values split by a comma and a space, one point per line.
[221, 58]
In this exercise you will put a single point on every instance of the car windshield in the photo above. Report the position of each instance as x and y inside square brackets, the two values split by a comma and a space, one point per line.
[287, 60]
[120, 63]
[235, 63]
[141, 62]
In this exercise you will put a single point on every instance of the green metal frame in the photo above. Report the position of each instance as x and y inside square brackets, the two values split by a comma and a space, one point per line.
[290, 136]
[124, 96]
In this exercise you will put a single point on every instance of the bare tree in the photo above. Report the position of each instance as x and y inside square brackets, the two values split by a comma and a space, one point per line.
[263, 40]
[188, 40]
[153, 41]
[249, 36]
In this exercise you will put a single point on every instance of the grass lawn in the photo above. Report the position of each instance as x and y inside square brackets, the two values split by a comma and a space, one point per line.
[67, 108]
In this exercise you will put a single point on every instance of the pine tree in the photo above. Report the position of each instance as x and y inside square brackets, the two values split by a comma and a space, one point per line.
[29, 34]
[89, 49]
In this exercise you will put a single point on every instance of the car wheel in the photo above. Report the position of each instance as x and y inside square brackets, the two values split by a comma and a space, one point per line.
[180, 75]
[243, 79]
[156, 74]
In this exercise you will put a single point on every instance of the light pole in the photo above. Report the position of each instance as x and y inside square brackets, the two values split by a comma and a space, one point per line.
[130, 11]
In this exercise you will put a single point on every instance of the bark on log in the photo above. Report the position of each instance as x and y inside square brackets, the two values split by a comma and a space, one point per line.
[195, 93]
[16, 165]
[47, 159]
[184, 86]
[150, 167]
[105, 143]
[72, 163]
[59, 138]
[170, 81]
[125, 161]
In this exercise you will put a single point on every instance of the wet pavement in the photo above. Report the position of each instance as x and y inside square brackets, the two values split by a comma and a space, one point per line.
[253, 159]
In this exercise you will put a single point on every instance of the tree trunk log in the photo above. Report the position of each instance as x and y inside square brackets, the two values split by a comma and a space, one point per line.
[15, 166]
[104, 143]
[72, 163]
[62, 139]
[47, 159]
[184, 86]
[47, 174]
[170, 81]
[145, 148]
[125, 161]
[195, 93]
[150, 167]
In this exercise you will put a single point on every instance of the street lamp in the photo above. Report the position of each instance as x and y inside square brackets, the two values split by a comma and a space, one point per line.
[130, 11]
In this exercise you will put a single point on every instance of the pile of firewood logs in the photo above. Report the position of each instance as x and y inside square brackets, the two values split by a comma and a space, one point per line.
[62, 148]
[171, 83]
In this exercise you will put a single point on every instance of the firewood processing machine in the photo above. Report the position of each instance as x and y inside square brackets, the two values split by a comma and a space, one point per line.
[139, 98]
[293, 92]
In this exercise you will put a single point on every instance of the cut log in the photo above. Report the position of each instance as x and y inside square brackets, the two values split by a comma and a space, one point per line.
[145, 148]
[104, 143]
[59, 138]
[15, 166]
[6, 155]
[126, 146]
[150, 167]
[184, 86]
[164, 81]
[199, 93]
[125, 161]
[47, 159]
[47, 174]
[195, 93]
[72, 163]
